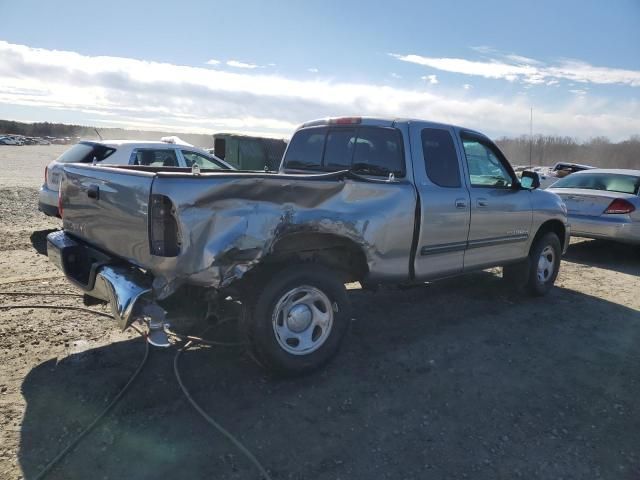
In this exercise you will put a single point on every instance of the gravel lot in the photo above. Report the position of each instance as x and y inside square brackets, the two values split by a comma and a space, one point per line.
[458, 379]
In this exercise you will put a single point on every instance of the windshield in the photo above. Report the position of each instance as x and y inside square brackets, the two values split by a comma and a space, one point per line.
[610, 182]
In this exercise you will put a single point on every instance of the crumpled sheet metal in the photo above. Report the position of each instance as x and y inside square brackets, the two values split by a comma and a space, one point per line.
[229, 223]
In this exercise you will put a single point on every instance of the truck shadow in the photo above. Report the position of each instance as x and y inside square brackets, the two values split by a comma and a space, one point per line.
[608, 255]
[445, 379]
[39, 240]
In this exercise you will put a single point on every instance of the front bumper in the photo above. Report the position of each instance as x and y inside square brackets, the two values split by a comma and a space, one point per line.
[567, 237]
[126, 288]
[614, 227]
[48, 201]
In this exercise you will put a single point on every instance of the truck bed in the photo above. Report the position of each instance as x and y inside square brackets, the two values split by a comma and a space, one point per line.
[210, 229]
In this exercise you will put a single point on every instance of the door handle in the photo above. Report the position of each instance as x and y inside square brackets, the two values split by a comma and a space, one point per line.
[461, 203]
[93, 192]
[482, 202]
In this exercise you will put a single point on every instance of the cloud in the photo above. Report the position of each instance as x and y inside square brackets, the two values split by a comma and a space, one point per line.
[237, 64]
[527, 70]
[432, 79]
[313, 70]
[579, 92]
[212, 61]
[128, 92]
[466, 86]
[395, 75]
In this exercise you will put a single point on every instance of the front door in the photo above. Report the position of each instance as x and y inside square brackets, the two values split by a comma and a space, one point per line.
[501, 214]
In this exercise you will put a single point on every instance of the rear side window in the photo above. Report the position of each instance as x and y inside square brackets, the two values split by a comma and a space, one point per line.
[601, 181]
[85, 153]
[364, 150]
[306, 149]
[440, 158]
[156, 158]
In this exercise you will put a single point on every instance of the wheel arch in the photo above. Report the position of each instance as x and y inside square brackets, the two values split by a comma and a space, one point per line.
[331, 250]
[553, 226]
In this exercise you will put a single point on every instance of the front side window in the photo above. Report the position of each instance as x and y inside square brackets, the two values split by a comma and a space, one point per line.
[485, 167]
[204, 162]
[440, 158]
[156, 158]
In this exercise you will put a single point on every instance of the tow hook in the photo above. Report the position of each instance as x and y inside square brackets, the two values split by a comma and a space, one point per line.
[155, 318]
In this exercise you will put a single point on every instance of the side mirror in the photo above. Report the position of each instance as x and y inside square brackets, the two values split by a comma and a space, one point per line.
[530, 180]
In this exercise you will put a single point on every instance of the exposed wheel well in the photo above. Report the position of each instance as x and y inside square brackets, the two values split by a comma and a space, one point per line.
[333, 251]
[555, 226]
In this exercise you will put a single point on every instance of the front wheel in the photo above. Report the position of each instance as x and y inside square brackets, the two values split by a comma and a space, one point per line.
[539, 271]
[544, 264]
[296, 323]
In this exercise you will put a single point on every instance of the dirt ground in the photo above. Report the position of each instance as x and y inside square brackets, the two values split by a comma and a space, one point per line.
[457, 379]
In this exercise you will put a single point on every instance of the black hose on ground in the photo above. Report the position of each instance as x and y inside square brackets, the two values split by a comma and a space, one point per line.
[34, 294]
[47, 469]
[58, 307]
[190, 341]
[211, 421]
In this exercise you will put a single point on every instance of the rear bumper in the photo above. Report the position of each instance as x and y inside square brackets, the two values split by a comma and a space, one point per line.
[605, 228]
[125, 287]
[48, 201]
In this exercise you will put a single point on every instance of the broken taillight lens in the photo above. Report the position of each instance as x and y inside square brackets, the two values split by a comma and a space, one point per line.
[620, 205]
[164, 240]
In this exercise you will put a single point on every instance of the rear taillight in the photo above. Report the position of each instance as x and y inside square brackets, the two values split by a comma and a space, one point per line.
[163, 231]
[620, 205]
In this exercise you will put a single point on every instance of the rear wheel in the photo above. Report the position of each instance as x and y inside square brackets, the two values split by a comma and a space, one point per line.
[296, 323]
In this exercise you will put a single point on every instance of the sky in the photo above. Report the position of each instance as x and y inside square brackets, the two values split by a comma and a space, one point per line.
[266, 67]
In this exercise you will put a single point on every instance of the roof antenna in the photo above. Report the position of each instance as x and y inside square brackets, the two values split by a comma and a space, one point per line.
[98, 133]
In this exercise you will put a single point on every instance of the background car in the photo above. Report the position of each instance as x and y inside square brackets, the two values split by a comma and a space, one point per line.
[602, 203]
[6, 140]
[560, 170]
[122, 152]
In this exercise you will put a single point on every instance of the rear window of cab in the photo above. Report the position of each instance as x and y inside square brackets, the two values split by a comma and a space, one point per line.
[364, 150]
[85, 153]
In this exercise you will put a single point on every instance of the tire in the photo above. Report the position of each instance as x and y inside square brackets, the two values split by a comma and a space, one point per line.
[297, 320]
[544, 264]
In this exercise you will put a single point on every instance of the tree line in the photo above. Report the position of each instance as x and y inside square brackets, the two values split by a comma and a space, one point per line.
[540, 150]
[546, 150]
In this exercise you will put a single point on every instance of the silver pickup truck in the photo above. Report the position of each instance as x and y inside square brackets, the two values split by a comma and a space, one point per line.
[356, 199]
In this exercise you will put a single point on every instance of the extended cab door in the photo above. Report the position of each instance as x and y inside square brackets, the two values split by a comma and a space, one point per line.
[501, 212]
[444, 207]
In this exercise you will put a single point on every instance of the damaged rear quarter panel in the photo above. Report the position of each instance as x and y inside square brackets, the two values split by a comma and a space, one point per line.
[230, 222]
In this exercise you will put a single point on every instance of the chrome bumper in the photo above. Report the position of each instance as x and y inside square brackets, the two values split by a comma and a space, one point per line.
[125, 287]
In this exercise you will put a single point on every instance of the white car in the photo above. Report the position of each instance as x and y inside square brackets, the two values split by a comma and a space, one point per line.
[122, 152]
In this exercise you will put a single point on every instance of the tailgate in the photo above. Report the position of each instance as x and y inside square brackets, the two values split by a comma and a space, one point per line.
[107, 207]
